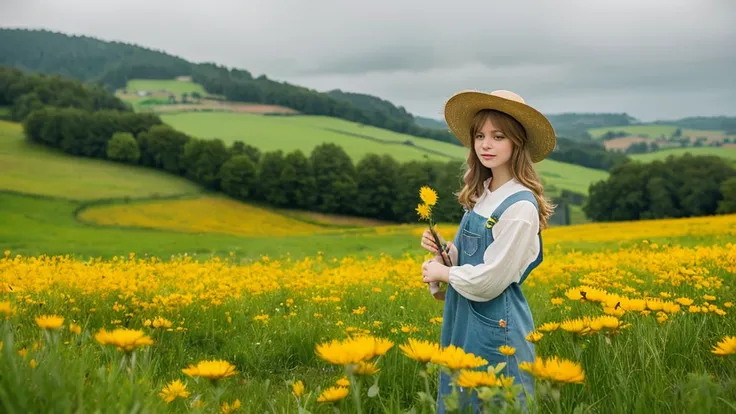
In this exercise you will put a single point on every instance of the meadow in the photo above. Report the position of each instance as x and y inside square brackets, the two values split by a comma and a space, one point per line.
[174, 86]
[729, 153]
[37, 169]
[123, 289]
[639, 328]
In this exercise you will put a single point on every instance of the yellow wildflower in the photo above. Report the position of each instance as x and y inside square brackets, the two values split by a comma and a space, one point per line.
[333, 394]
[507, 350]
[424, 211]
[211, 369]
[49, 321]
[428, 196]
[422, 351]
[456, 358]
[123, 339]
[474, 379]
[172, 390]
[727, 346]
[297, 388]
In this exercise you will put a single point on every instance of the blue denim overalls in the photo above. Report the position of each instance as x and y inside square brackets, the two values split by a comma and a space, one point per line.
[481, 327]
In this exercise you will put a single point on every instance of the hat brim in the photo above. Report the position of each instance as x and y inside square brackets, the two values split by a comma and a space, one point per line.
[462, 107]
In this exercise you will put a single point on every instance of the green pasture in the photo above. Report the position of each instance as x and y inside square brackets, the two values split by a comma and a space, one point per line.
[33, 168]
[729, 153]
[170, 85]
[653, 131]
[289, 133]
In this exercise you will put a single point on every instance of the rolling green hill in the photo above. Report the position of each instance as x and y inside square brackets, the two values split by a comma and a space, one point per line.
[305, 132]
[174, 86]
[729, 153]
[653, 131]
[32, 168]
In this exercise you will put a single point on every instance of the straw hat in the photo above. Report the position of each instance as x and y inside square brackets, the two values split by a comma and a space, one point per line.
[462, 107]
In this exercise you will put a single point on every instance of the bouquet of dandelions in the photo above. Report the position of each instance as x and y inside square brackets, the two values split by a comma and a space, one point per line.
[424, 209]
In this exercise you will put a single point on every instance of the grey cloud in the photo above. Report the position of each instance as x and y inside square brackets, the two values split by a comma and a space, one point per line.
[653, 59]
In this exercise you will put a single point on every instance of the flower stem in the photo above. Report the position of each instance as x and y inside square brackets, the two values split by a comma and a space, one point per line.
[356, 390]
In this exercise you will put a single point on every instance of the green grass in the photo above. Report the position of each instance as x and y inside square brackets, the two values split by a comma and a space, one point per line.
[653, 131]
[171, 85]
[32, 168]
[270, 133]
[38, 225]
[306, 132]
[729, 153]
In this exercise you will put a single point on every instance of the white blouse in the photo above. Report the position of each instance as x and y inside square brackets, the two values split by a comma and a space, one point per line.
[515, 246]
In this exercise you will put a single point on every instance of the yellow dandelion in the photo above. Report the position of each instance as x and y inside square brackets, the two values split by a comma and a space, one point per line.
[173, 390]
[343, 382]
[333, 394]
[534, 337]
[576, 326]
[424, 211]
[6, 311]
[727, 346]
[123, 339]
[548, 327]
[297, 388]
[555, 369]
[474, 379]
[428, 196]
[507, 350]
[211, 369]
[366, 368]
[456, 358]
[422, 351]
[75, 329]
[227, 408]
[49, 321]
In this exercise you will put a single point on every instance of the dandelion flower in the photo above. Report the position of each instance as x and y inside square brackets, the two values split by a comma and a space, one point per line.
[343, 382]
[123, 339]
[211, 369]
[333, 394]
[6, 311]
[554, 369]
[428, 196]
[474, 379]
[534, 337]
[424, 211]
[75, 329]
[366, 368]
[227, 408]
[422, 351]
[456, 358]
[507, 350]
[549, 327]
[298, 388]
[173, 390]
[727, 346]
[49, 321]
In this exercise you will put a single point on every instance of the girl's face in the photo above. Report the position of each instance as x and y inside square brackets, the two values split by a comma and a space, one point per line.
[492, 147]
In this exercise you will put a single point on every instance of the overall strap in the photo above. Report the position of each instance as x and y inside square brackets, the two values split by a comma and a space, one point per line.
[524, 195]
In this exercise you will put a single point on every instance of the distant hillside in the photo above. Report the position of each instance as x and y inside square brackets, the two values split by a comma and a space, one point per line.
[115, 63]
[430, 122]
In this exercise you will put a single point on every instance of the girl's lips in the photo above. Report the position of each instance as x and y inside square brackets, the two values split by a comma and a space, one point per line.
[488, 157]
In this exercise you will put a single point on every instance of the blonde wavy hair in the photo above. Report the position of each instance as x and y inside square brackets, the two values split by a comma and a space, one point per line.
[522, 167]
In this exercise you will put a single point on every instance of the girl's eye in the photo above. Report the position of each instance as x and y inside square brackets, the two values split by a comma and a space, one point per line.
[479, 136]
[499, 137]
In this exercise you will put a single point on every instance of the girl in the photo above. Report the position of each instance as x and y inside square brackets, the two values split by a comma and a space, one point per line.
[498, 242]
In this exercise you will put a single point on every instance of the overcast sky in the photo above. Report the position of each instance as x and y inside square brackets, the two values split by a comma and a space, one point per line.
[655, 59]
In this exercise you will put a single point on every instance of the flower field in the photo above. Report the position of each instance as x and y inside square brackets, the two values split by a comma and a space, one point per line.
[644, 328]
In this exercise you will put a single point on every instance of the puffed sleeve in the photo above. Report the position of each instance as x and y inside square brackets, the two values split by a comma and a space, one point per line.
[504, 261]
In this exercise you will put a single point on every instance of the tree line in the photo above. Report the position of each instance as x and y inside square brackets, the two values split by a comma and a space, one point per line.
[25, 93]
[684, 186]
[325, 180]
[112, 64]
[591, 154]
